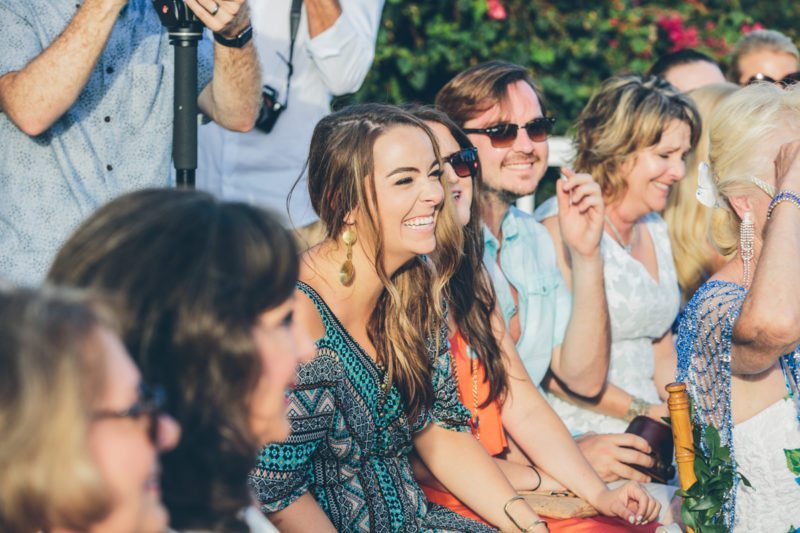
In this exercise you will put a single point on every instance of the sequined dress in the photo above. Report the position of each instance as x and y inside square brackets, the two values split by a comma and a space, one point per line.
[350, 440]
[761, 446]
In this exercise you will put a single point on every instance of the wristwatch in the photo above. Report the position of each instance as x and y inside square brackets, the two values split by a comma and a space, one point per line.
[237, 42]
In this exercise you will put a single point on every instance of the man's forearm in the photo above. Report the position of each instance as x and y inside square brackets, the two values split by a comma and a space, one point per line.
[40, 93]
[583, 364]
[232, 98]
[322, 14]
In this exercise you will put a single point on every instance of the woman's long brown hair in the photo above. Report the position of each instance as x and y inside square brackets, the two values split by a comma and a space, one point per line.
[410, 310]
[469, 291]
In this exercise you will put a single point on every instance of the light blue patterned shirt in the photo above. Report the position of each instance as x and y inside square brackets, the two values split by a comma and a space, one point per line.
[528, 263]
[116, 137]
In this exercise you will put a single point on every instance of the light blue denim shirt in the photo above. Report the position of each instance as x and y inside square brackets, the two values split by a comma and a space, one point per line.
[115, 138]
[528, 264]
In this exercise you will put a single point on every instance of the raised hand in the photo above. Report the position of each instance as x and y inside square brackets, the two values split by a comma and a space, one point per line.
[226, 17]
[580, 212]
[630, 502]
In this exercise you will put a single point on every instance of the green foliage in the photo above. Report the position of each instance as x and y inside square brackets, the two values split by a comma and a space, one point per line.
[703, 501]
[569, 45]
[793, 461]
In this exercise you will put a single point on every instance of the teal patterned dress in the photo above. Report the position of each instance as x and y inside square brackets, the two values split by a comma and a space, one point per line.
[351, 439]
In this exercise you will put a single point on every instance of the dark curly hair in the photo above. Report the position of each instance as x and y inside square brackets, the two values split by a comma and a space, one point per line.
[189, 275]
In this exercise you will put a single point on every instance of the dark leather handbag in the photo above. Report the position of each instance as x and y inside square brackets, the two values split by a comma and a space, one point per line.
[659, 436]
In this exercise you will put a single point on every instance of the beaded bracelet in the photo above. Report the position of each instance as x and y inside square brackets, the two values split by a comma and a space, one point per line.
[638, 407]
[783, 196]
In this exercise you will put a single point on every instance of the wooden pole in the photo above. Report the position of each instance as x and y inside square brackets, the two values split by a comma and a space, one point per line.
[680, 417]
[678, 403]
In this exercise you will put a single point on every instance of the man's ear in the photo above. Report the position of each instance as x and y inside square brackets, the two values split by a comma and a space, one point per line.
[740, 205]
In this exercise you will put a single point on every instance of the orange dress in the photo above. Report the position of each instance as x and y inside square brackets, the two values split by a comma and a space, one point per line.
[487, 426]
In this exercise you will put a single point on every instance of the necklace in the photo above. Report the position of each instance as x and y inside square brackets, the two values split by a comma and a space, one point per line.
[475, 419]
[618, 237]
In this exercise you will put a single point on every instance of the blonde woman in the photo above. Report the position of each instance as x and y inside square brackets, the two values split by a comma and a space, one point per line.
[80, 433]
[738, 336]
[689, 221]
[632, 137]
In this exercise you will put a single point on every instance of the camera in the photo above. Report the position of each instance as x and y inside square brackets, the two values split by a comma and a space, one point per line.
[271, 109]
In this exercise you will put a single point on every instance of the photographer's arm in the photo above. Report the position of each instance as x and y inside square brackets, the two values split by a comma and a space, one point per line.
[37, 95]
[342, 44]
[322, 14]
[233, 97]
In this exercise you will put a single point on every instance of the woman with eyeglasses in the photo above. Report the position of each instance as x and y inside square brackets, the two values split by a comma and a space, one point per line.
[80, 432]
[204, 291]
[632, 137]
[739, 337]
[491, 379]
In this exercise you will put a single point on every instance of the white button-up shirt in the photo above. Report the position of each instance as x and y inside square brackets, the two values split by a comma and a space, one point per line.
[261, 168]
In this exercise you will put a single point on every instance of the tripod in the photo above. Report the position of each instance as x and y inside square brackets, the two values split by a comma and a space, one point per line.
[184, 30]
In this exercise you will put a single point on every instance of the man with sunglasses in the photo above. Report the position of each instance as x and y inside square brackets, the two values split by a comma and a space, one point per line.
[567, 336]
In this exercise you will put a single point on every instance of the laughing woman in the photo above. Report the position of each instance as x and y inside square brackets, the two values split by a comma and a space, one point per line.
[632, 138]
[380, 383]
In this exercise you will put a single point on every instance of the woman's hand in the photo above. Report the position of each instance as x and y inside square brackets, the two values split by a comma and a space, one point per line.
[580, 212]
[630, 502]
[787, 167]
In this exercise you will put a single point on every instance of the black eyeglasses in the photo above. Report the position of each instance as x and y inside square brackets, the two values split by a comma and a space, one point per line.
[789, 79]
[503, 135]
[150, 403]
[464, 162]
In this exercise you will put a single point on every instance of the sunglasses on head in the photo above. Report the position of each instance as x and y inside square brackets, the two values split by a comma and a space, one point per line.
[150, 404]
[789, 79]
[464, 162]
[504, 135]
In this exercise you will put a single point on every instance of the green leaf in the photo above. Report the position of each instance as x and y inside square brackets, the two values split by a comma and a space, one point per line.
[793, 461]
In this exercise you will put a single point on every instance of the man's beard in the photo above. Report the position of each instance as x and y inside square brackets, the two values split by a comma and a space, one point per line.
[504, 195]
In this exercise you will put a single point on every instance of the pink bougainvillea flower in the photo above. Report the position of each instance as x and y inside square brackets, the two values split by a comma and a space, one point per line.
[497, 10]
[747, 28]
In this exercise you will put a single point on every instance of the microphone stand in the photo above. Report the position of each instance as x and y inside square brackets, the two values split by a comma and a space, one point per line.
[184, 30]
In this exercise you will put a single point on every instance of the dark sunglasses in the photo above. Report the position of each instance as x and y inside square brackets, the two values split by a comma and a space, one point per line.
[150, 404]
[464, 162]
[789, 79]
[503, 135]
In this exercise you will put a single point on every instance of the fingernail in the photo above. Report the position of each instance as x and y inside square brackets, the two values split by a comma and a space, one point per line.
[639, 519]
[631, 519]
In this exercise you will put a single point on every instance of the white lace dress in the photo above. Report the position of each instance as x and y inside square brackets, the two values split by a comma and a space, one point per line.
[641, 310]
[773, 502]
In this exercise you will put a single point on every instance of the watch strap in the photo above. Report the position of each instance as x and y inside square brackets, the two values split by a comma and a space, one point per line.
[237, 42]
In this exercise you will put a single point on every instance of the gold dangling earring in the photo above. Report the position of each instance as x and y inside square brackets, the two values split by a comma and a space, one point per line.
[348, 271]
[747, 235]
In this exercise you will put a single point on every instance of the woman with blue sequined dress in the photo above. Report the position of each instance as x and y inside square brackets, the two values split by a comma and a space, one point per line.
[381, 383]
[738, 336]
